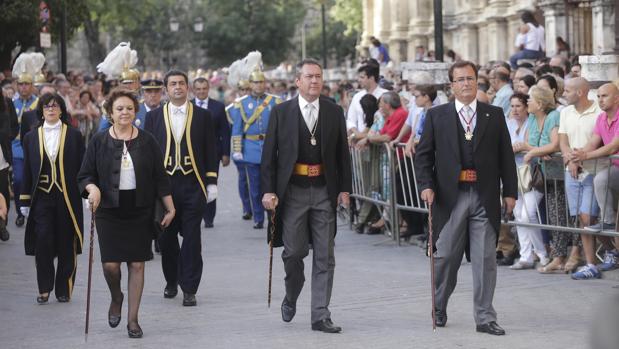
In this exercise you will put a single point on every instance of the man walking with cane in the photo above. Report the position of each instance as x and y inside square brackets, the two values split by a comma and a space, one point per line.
[462, 158]
[305, 173]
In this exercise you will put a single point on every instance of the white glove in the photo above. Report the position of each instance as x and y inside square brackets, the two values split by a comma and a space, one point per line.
[211, 193]
[25, 210]
[237, 156]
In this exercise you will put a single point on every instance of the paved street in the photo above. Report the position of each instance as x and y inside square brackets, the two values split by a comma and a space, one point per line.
[381, 299]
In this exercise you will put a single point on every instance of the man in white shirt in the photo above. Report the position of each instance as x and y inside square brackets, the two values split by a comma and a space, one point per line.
[368, 80]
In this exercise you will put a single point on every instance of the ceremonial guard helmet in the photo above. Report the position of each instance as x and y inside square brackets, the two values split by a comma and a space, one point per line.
[119, 64]
[24, 68]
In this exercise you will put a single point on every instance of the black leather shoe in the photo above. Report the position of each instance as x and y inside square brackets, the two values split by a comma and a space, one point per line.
[189, 300]
[326, 326]
[259, 225]
[289, 309]
[170, 291]
[246, 216]
[41, 299]
[491, 328]
[507, 260]
[208, 224]
[63, 299]
[135, 332]
[440, 318]
[20, 220]
[112, 319]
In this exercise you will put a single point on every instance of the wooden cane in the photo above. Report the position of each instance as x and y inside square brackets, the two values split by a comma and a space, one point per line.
[431, 254]
[90, 252]
[272, 233]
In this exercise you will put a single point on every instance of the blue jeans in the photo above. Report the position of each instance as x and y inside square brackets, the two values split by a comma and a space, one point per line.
[524, 54]
[580, 196]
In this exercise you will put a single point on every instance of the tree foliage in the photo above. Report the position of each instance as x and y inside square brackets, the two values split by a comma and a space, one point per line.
[236, 27]
[20, 24]
[349, 13]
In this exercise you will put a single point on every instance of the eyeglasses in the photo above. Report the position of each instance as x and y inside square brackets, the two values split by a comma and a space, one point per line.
[51, 106]
[463, 80]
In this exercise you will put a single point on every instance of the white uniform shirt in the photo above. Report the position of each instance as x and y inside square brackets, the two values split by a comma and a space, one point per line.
[355, 116]
[52, 138]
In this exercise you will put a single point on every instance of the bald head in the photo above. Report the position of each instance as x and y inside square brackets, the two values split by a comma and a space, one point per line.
[576, 90]
[608, 98]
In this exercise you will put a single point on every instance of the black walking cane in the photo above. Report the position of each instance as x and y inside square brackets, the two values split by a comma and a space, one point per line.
[272, 234]
[90, 251]
[431, 254]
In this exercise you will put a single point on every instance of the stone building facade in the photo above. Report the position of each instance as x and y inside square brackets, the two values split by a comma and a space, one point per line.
[485, 30]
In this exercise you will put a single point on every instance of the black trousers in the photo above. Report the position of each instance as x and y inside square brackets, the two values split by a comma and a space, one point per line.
[4, 187]
[209, 212]
[55, 237]
[182, 264]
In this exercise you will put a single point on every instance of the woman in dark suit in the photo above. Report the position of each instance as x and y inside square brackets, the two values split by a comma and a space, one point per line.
[122, 175]
[52, 156]
[8, 131]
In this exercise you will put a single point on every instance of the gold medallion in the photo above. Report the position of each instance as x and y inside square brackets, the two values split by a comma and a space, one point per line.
[468, 135]
[313, 141]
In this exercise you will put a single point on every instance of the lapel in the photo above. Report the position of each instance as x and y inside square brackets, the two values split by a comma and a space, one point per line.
[482, 122]
[323, 130]
[294, 112]
[451, 130]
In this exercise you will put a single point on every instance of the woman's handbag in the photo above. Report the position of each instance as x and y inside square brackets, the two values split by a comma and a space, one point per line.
[530, 176]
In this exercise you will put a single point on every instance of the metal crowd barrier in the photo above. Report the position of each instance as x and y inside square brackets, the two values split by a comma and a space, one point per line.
[381, 171]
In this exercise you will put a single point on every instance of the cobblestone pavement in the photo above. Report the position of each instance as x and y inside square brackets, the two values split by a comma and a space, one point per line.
[381, 299]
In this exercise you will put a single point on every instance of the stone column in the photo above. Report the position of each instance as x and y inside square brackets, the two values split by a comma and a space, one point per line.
[555, 23]
[420, 25]
[399, 30]
[497, 39]
[603, 26]
[367, 7]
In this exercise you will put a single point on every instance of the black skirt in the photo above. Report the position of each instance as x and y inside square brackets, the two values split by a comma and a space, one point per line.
[125, 232]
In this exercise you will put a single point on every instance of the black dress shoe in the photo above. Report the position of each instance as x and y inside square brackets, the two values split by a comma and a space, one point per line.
[246, 216]
[208, 224]
[20, 220]
[135, 332]
[189, 300]
[507, 260]
[170, 291]
[440, 318]
[259, 225]
[289, 309]
[491, 328]
[326, 326]
[41, 299]
[63, 299]
[112, 319]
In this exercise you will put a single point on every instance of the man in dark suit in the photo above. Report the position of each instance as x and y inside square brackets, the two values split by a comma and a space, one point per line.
[306, 165]
[463, 156]
[187, 140]
[222, 134]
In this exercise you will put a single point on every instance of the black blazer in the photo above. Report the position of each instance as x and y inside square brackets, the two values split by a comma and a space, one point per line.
[201, 132]
[437, 161]
[221, 125]
[281, 149]
[70, 153]
[101, 166]
[9, 128]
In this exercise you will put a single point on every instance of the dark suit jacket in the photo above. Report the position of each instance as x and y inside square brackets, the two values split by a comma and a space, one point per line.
[222, 127]
[281, 149]
[201, 142]
[437, 161]
[101, 166]
[9, 128]
[70, 153]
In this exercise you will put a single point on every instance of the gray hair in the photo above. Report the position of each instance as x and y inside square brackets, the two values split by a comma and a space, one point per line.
[304, 62]
[391, 98]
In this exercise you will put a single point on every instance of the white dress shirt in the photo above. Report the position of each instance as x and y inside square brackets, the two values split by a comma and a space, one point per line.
[51, 142]
[178, 116]
[462, 115]
[202, 103]
[305, 110]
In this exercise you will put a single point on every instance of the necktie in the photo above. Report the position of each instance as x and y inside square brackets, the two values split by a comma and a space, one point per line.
[311, 118]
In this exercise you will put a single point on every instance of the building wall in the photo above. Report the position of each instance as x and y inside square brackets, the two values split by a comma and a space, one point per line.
[484, 30]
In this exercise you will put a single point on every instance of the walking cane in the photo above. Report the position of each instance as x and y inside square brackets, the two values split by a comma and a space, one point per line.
[92, 235]
[272, 233]
[431, 253]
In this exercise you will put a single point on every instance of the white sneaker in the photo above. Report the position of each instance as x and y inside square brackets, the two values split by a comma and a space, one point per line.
[543, 261]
